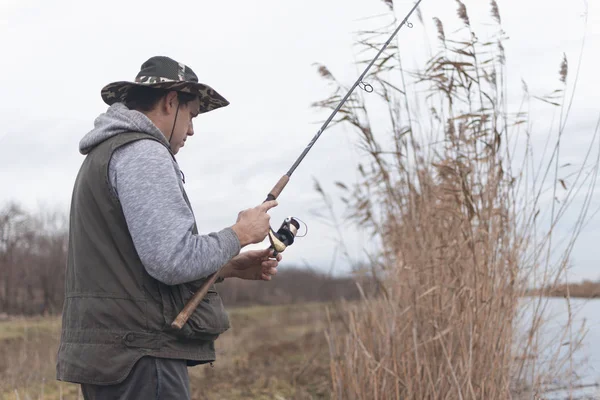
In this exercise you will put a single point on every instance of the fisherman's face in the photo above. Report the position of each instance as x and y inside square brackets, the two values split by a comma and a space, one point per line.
[184, 126]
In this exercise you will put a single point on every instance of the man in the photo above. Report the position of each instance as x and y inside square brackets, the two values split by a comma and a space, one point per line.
[135, 255]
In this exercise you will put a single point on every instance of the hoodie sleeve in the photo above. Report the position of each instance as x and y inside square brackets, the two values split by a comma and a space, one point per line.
[160, 222]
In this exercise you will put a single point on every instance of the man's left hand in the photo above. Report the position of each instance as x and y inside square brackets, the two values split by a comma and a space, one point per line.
[252, 265]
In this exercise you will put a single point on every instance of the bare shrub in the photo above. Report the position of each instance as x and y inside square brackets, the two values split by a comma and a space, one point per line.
[33, 253]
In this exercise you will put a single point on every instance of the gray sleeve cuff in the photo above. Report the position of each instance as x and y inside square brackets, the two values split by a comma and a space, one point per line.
[232, 245]
[231, 242]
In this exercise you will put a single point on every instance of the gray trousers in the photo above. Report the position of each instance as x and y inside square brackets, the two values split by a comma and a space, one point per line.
[150, 379]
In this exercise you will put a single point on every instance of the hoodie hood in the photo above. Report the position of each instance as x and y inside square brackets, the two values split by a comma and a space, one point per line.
[116, 120]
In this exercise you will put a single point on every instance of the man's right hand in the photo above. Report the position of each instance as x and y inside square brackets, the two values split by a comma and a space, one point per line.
[253, 224]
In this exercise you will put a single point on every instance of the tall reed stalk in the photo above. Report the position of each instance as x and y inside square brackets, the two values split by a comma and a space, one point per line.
[452, 189]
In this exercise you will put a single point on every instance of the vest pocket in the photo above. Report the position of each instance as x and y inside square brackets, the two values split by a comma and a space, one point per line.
[207, 322]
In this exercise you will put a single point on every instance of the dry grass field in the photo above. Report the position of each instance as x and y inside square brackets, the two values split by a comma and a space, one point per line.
[271, 352]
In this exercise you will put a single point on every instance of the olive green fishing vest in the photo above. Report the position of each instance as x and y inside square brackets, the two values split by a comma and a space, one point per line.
[114, 311]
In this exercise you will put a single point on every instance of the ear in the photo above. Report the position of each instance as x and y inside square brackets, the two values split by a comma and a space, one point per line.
[170, 103]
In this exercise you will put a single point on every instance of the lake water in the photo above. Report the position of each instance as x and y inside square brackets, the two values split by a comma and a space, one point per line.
[586, 360]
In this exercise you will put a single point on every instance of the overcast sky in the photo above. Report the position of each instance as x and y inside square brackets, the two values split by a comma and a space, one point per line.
[57, 55]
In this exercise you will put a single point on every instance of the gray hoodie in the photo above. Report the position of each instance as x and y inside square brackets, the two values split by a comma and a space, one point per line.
[148, 183]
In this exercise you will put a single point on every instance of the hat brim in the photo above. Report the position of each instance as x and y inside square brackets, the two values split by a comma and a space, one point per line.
[210, 99]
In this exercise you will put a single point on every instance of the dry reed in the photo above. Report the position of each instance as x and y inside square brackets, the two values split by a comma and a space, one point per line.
[452, 200]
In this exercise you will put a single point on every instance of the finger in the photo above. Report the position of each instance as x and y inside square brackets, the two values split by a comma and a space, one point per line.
[267, 253]
[258, 254]
[267, 205]
[279, 257]
[265, 277]
[269, 264]
[269, 272]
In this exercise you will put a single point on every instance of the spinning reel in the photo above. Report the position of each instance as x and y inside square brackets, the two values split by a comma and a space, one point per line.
[285, 235]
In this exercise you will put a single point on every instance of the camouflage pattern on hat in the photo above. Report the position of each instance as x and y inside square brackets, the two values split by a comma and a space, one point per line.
[165, 73]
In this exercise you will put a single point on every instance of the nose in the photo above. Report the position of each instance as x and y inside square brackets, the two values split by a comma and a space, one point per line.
[190, 131]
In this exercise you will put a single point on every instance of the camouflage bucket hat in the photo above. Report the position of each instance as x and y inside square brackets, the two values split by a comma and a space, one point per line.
[166, 73]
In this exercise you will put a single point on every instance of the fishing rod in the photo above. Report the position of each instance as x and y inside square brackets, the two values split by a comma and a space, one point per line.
[284, 236]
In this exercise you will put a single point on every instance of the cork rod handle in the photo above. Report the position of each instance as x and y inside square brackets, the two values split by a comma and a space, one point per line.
[192, 303]
[278, 188]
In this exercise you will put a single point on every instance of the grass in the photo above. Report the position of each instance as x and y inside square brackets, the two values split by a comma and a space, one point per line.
[271, 352]
[28, 327]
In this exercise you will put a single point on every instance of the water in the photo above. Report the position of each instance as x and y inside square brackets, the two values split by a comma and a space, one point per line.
[586, 360]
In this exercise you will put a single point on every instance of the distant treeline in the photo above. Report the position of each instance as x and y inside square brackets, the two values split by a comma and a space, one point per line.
[586, 289]
[33, 255]
[291, 285]
[33, 251]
